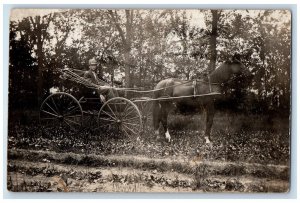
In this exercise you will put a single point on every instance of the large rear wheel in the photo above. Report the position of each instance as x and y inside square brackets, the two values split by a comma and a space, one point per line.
[145, 106]
[61, 113]
[120, 116]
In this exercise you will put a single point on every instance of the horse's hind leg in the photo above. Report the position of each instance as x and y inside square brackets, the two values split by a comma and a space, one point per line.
[156, 117]
[210, 111]
[164, 120]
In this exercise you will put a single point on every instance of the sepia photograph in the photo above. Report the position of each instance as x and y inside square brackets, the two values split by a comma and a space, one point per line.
[149, 100]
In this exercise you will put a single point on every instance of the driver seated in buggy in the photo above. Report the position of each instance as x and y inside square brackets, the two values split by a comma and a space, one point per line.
[104, 88]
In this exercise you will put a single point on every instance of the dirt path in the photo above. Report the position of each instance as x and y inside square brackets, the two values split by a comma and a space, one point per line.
[94, 179]
[94, 173]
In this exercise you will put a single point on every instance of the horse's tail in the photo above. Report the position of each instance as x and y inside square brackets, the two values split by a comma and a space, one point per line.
[157, 110]
[156, 114]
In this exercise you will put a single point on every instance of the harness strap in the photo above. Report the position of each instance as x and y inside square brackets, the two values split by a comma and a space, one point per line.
[194, 86]
[209, 83]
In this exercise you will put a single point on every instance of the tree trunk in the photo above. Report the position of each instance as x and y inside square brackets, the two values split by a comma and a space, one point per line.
[127, 67]
[126, 40]
[140, 76]
[129, 19]
[213, 40]
[40, 26]
[40, 71]
[112, 75]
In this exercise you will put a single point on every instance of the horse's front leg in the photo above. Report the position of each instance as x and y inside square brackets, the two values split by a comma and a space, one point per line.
[210, 112]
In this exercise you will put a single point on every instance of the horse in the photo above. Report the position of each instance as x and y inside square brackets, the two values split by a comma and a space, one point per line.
[174, 87]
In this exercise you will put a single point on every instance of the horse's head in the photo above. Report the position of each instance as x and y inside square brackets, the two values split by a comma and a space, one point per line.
[238, 68]
[236, 72]
[229, 70]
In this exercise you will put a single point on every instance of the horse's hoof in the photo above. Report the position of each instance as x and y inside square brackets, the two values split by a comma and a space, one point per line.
[168, 136]
[207, 141]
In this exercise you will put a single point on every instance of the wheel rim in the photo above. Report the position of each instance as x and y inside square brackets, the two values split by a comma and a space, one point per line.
[145, 108]
[60, 111]
[120, 115]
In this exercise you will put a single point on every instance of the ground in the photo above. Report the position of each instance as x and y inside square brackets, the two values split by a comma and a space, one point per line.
[249, 153]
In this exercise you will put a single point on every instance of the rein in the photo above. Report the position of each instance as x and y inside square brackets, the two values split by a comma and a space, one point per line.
[164, 88]
[156, 90]
[70, 72]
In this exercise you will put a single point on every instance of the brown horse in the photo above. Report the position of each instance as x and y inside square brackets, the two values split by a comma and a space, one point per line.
[177, 88]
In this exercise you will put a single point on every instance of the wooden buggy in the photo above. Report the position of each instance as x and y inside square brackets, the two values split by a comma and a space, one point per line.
[65, 110]
[72, 111]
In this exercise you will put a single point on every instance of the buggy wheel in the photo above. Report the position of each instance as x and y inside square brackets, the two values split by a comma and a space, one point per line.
[145, 108]
[120, 115]
[60, 113]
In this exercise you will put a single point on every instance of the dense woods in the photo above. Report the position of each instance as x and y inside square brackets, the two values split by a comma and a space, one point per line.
[85, 147]
[138, 48]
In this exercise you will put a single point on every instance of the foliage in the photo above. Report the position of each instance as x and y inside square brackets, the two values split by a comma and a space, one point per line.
[141, 47]
[245, 138]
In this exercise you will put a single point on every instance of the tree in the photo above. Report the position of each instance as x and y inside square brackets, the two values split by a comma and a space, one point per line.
[146, 46]
[213, 40]
[34, 30]
[126, 37]
[22, 71]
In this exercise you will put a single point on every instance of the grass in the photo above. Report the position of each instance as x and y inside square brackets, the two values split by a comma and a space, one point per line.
[160, 165]
[252, 138]
[229, 122]
[123, 173]
[250, 145]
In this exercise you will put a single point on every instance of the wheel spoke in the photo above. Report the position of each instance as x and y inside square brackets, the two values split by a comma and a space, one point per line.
[71, 111]
[54, 104]
[111, 110]
[128, 119]
[50, 113]
[68, 124]
[130, 130]
[125, 109]
[108, 115]
[51, 108]
[71, 108]
[131, 123]
[72, 121]
[124, 130]
[133, 127]
[71, 101]
[129, 112]
[116, 108]
[120, 109]
[105, 119]
[72, 116]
